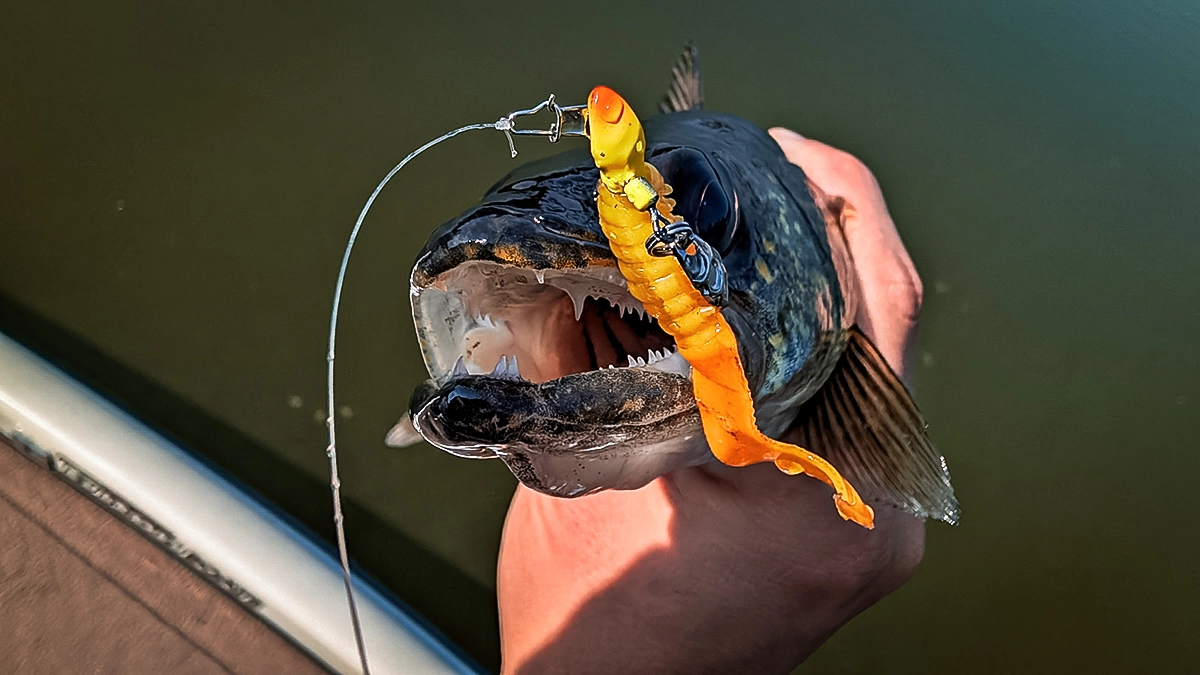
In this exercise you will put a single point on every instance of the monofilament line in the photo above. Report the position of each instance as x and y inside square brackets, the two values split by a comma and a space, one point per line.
[335, 483]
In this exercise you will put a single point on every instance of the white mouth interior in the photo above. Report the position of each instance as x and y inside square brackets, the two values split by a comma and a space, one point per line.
[539, 325]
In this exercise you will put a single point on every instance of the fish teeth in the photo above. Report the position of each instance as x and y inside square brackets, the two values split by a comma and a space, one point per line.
[507, 368]
[578, 299]
[460, 367]
[629, 308]
[673, 362]
[541, 276]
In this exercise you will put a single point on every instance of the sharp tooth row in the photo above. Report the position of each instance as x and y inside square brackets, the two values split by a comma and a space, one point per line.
[507, 367]
[485, 320]
[673, 362]
[634, 308]
[667, 360]
[650, 358]
[655, 357]
[579, 298]
[541, 276]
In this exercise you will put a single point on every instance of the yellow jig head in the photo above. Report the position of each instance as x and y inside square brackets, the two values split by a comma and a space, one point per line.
[632, 200]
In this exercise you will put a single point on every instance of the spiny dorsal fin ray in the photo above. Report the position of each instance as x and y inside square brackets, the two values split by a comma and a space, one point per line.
[686, 92]
[865, 423]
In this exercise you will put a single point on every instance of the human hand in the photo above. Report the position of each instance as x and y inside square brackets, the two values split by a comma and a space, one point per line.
[716, 569]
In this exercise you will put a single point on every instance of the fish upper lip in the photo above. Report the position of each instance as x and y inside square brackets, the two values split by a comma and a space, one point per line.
[549, 222]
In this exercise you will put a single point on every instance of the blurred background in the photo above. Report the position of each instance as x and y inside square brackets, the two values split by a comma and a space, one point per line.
[177, 181]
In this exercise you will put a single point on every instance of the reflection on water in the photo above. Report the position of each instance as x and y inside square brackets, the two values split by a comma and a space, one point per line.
[176, 183]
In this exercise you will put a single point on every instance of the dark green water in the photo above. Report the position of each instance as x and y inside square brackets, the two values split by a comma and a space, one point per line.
[177, 181]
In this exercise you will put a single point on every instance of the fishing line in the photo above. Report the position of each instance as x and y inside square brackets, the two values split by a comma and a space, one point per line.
[567, 121]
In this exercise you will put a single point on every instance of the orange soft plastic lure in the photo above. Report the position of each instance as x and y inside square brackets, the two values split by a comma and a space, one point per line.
[628, 189]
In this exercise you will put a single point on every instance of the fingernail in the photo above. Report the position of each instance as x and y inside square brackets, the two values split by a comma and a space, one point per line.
[785, 130]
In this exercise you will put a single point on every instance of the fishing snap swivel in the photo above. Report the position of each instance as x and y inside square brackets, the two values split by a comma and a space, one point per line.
[702, 265]
[568, 121]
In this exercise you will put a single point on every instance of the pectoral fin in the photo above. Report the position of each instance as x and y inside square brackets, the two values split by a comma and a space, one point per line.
[865, 422]
[403, 434]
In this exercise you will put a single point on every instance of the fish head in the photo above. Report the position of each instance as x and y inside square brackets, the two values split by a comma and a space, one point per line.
[539, 355]
[537, 352]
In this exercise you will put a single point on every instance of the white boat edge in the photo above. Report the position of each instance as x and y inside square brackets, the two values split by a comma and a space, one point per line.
[275, 571]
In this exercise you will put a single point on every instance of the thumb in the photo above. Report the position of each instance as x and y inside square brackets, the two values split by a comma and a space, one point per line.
[890, 289]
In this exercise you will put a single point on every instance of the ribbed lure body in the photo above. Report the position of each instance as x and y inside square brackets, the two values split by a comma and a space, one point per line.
[702, 334]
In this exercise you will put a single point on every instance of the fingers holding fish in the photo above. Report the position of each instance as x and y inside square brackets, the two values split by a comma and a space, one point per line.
[755, 560]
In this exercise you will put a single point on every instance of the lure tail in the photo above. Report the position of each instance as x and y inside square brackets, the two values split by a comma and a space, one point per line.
[727, 414]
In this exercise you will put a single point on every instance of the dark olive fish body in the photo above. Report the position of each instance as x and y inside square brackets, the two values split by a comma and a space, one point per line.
[541, 357]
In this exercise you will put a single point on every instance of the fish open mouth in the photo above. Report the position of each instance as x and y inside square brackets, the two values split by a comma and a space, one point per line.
[490, 319]
[538, 353]
[560, 373]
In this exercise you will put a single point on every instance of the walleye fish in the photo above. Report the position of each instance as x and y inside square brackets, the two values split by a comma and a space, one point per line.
[541, 356]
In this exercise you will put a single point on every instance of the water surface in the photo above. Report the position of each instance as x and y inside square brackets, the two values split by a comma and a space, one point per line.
[177, 181]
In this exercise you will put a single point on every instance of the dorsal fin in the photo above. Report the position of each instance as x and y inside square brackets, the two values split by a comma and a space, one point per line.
[686, 92]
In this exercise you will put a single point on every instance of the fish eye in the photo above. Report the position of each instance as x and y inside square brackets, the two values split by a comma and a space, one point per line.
[699, 196]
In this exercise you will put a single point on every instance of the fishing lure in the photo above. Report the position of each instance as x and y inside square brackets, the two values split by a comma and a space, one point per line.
[702, 265]
[678, 280]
